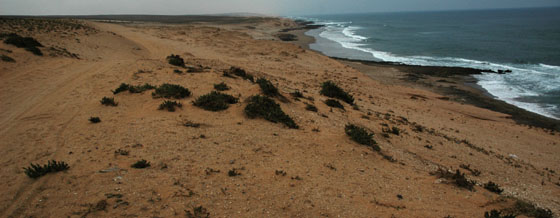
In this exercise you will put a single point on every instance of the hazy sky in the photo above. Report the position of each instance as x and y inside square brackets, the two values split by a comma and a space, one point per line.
[272, 7]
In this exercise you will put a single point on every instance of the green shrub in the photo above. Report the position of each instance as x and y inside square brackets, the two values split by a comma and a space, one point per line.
[177, 71]
[311, 107]
[221, 86]
[34, 50]
[267, 87]
[141, 164]
[330, 89]
[239, 72]
[265, 107]
[493, 187]
[6, 58]
[457, 178]
[530, 210]
[108, 102]
[171, 91]
[215, 101]
[94, 119]
[233, 172]
[361, 136]
[169, 105]
[36, 171]
[334, 103]
[176, 60]
[133, 89]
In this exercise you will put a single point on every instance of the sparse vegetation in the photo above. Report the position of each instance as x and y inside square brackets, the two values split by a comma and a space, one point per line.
[171, 91]
[169, 105]
[215, 101]
[175, 60]
[198, 212]
[28, 43]
[6, 58]
[311, 107]
[177, 71]
[334, 103]
[233, 172]
[141, 164]
[457, 178]
[267, 87]
[361, 136]
[238, 72]
[133, 89]
[108, 101]
[330, 89]
[36, 170]
[530, 210]
[122, 152]
[221, 86]
[497, 214]
[493, 187]
[297, 94]
[265, 107]
[94, 119]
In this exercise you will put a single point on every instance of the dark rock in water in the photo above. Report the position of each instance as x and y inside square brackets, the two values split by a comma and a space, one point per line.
[504, 71]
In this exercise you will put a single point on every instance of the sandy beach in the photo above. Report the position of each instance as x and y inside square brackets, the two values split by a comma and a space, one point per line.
[225, 164]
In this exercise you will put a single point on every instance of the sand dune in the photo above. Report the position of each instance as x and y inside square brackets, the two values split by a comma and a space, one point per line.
[47, 101]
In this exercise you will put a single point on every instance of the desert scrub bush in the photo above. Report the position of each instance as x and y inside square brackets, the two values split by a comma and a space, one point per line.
[239, 72]
[198, 212]
[221, 86]
[175, 60]
[497, 214]
[28, 43]
[169, 105]
[36, 170]
[94, 119]
[530, 210]
[6, 58]
[334, 103]
[267, 87]
[297, 94]
[233, 172]
[133, 89]
[311, 107]
[215, 101]
[108, 101]
[141, 164]
[330, 89]
[361, 136]
[265, 107]
[457, 178]
[171, 91]
[493, 187]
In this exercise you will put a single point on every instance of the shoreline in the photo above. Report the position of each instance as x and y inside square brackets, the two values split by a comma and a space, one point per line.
[456, 83]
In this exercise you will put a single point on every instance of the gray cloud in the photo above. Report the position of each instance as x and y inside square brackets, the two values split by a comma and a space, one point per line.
[273, 7]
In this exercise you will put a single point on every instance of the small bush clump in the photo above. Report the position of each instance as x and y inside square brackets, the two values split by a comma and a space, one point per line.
[169, 105]
[94, 119]
[493, 187]
[530, 210]
[334, 103]
[497, 214]
[265, 107]
[221, 86]
[171, 91]
[6, 58]
[457, 178]
[175, 60]
[233, 172]
[30, 44]
[330, 89]
[133, 89]
[108, 101]
[297, 94]
[36, 170]
[311, 107]
[267, 87]
[239, 72]
[215, 101]
[198, 212]
[141, 164]
[361, 136]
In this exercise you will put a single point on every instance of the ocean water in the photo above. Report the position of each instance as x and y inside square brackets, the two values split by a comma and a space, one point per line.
[525, 41]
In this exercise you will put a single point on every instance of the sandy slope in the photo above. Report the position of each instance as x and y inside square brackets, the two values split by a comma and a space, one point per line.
[46, 103]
